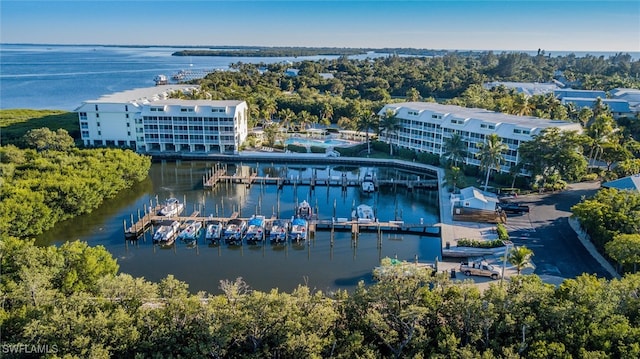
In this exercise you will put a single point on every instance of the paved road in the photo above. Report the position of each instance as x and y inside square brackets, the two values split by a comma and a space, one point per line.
[557, 249]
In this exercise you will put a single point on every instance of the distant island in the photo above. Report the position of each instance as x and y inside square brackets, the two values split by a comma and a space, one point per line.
[241, 51]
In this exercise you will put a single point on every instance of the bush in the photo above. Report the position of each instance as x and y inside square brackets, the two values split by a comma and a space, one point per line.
[475, 243]
[351, 151]
[590, 177]
[503, 235]
[318, 149]
[296, 148]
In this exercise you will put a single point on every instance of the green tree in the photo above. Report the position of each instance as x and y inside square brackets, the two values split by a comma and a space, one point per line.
[389, 124]
[455, 148]
[625, 249]
[43, 139]
[491, 155]
[454, 177]
[366, 121]
[520, 257]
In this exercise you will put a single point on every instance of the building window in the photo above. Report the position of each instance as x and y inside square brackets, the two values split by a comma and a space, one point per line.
[98, 124]
[96, 107]
[127, 115]
[515, 130]
[128, 133]
[83, 116]
[97, 115]
[126, 108]
[85, 133]
[99, 133]
[128, 124]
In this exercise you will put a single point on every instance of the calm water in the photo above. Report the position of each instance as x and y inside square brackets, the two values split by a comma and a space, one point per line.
[61, 77]
[317, 263]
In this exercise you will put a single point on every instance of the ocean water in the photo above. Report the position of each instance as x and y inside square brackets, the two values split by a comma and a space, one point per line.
[61, 77]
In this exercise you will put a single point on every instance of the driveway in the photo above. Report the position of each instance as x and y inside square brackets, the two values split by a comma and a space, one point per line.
[546, 231]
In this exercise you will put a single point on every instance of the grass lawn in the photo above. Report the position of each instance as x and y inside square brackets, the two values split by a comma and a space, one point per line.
[16, 123]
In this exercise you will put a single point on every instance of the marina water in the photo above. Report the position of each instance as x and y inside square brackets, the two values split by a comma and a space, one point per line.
[317, 263]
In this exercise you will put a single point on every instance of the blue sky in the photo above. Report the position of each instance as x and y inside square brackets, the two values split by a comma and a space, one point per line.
[561, 25]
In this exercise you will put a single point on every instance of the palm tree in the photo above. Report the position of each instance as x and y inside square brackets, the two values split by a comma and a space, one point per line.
[390, 124]
[491, 155]
[520, 257]
[365, 122]
[455, 149]
[286, 117]
[453, 176]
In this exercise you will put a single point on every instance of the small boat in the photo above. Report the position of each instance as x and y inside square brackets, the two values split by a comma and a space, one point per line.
[279, 231]
[214, 232]
[364, 214]
[304, 210]
[299, 229]
[172, 207]
[191, 231]
[367, 185]
[165, 234]
[234, 231]
[255, 229]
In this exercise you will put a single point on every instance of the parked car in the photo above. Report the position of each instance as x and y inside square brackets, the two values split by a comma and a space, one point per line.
[480, 268]
[511, 207]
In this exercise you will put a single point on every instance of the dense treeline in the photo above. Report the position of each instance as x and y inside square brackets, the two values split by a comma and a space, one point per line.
[608, 217]
[359, 86]
[71, 300]
[52, 180]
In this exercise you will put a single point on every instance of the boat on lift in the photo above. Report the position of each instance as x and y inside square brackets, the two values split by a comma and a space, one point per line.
[299, 229]
[165, 234]
[364, 214]
[255, 230]
[368, 185]
[304, 210]
[172, 207]
[191, 232]
[234, 231]
[279, 231]
[214, 232]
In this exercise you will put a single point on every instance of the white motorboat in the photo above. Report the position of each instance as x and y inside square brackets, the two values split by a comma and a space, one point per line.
[234, 231]
[304, 210]
[172, 207]
[191, 232]
[368, 185]
[255, 229]
[279, 231]
[299, 229]
[364, 214]
[165, 234]
[214, 232]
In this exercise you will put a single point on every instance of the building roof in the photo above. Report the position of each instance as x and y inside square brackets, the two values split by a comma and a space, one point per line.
[594, 94]
[625, 183]
[481, 114]
[614, 105]
[213, 103]
[527, 88]
[142, 95]
[473, 192]
[630, 95]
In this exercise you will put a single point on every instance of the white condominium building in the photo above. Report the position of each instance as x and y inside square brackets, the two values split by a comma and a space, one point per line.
[147, 120]
[424, 126]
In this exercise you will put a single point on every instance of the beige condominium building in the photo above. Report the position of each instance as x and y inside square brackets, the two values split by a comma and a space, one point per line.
[424, 126]
[149, 120]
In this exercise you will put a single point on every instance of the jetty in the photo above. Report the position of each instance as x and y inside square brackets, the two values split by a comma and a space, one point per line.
[218, 174]
[151, 218]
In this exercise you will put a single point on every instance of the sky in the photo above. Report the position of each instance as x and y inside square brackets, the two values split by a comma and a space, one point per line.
[560, 25]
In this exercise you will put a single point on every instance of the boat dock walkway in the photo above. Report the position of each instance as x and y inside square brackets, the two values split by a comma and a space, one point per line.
[219, 174]
[340, 224]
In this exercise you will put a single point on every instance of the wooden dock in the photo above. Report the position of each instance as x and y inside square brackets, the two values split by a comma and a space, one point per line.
[144, 223]
[218, 174]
